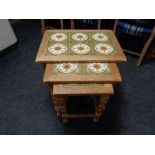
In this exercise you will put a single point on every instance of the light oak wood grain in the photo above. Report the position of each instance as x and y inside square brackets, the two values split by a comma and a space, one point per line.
[82, 89]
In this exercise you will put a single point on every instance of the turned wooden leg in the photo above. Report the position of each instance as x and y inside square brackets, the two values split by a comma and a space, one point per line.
[56, 105]
[62, 105]
[100, 107]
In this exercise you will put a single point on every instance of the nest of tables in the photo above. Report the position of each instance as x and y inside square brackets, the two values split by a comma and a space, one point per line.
[79, 63]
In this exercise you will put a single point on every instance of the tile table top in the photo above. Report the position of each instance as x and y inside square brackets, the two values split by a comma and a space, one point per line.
[79, 46]
[82, 73]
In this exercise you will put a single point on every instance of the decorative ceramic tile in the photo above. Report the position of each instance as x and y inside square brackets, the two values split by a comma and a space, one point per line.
[97, 67]
[66, 67]
[57, 49]
[103, 48]
[80, 48]
[86, 68]
[79, 36]
[87, 43]
[100, 37]
[59, 36]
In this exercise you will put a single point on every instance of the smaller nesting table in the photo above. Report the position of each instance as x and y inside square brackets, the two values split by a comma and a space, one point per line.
[62, 91]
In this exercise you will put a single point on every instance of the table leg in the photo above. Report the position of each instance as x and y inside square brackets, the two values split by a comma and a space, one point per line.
[63, 110]
[56, 105]
[100, 107]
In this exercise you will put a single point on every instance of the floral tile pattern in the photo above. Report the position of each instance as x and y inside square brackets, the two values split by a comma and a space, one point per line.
[59, 37]
[80, 48]
[100, 37]
[79, 36]
[97, 67]
[80, 43]
[103, 48]
[66, 67]
[86, 68]
[57, 49]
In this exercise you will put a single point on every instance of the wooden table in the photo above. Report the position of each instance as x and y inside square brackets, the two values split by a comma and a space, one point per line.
[80, 62]
[79, 46]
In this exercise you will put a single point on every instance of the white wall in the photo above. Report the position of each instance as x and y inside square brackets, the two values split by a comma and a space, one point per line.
[7, 36]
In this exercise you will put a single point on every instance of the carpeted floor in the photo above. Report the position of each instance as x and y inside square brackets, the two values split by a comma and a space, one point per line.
[25, 103]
